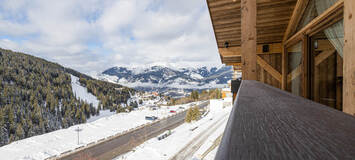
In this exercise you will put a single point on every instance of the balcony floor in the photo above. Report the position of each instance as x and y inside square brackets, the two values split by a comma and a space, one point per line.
[268, 123]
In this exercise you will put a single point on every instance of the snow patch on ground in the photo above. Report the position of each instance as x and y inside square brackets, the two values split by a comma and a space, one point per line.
[103, 113]
[181, 136]
[82, 92]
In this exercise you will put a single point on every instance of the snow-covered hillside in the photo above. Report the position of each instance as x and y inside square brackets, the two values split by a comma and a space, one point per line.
[166, 79]
[57, 142]
[82, 93]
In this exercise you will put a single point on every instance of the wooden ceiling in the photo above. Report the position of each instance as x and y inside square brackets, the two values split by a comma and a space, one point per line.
[272, 20]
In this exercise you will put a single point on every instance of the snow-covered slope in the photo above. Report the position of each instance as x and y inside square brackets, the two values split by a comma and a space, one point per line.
[82, 93]
[57, 142]
[166, 79]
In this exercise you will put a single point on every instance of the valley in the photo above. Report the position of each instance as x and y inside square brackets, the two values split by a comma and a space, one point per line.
[174, 82]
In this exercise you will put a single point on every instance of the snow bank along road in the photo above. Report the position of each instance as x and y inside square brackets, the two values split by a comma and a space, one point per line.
[116, 145]
[188, 151]
[185, 143]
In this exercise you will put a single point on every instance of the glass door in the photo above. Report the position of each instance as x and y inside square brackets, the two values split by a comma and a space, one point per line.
[327, 65]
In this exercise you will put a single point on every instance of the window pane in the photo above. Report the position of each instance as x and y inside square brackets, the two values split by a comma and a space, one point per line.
[295, 69]
[314, 9]
[327, 66]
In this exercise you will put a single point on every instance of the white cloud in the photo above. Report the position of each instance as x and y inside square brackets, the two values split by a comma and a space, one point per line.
[92, 35]
[8, 44]
[118, 15]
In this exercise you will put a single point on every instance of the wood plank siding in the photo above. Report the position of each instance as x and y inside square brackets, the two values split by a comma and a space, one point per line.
[322, 73]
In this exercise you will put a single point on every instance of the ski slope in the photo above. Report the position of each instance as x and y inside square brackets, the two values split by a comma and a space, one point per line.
[82, 92]
[57, 142]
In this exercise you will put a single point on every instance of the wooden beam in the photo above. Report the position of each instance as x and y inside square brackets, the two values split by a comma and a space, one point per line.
[326, 17]
[226, 7]
[294, 74]
[231, 56]
[273, 48]
[270, 3]
[306, 75]
[323, 56]
[229, 51]
[231, 59]
[233, 64]
[237, 67]
[222, 3]
[268, 68]
[248, 42]
[284, 66]
[349, 57]
[295, 18]
[262, 75]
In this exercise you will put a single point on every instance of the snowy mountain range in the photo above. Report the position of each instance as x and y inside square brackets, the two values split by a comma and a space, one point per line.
[168, 80]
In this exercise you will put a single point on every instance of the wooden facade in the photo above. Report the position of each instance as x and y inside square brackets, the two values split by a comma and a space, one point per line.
[349, 57]
[302, 46]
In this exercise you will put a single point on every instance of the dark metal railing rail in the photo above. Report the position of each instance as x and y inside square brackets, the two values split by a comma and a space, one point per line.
[268, 123]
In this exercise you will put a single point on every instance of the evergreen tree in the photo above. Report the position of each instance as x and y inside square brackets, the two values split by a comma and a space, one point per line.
[2, 118]
[19, 132]
[195, 95]
[118, 109]
[36, 96]
[188, 117]
[129, 108]
[193, 114]
[98, 109]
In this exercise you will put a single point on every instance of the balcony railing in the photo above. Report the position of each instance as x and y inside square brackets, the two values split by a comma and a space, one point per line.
[268, 123]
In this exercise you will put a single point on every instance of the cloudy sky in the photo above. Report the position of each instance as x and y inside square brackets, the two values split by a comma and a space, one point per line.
[93, 35]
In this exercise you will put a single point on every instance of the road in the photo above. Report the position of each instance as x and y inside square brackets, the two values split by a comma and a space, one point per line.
[116, 146]
[188, 151]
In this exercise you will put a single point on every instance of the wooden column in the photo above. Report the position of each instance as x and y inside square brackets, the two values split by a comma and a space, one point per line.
[248, 43]
[284, 68]
[349, 58]
[305, 49]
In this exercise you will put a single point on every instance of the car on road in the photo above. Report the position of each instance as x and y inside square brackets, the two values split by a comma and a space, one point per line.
[151, 118]
[164, 135]
[172, 111]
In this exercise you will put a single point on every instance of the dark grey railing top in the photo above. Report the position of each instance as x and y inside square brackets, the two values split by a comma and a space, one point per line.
[268, 123]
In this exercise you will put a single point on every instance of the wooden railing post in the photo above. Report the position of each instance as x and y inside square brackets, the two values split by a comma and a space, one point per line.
[248, 36]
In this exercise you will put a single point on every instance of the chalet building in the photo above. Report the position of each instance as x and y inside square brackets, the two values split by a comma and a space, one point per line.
[297, 96]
